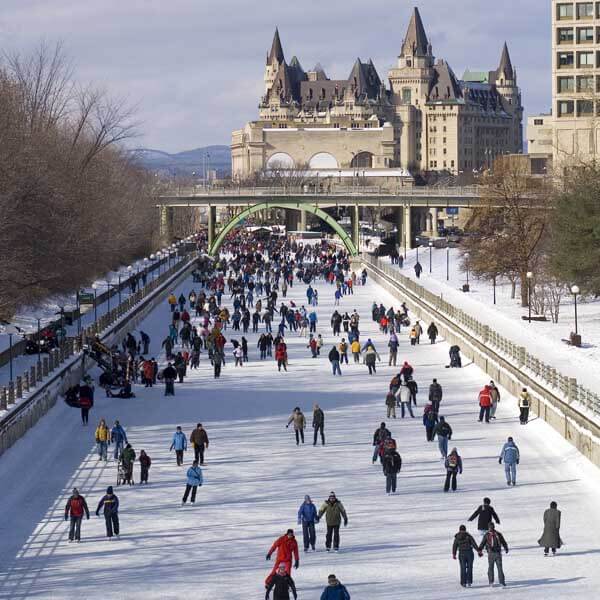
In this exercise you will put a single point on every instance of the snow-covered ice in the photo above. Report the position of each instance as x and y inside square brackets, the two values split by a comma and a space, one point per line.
[255, 479]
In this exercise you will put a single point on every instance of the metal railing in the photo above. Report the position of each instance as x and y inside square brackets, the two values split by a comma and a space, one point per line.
[546, 375]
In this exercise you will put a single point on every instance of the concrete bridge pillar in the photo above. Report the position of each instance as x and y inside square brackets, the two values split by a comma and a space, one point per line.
[355, 224]
[399, 222]
[292, 219]
[166, 223]
[212, 223]
[302, 224]
[407, 228]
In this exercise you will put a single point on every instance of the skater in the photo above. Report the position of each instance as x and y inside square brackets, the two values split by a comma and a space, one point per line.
[371, 357]
[127, 460]
[493, 542]
[403, 396]
[485, 514]
[465, 544]
[355, 349]
[390, 402]
[343, 350]
[551, 535]
[334, 512]
[287, 550]
[495, 396]
[281, 356]
[199, 441]
[334, 359]
[75, 508]
[281, 582]
[145, 342]
[334, 590]
[102, 440]
[511, 457]
[299, 424]
[194, 479]
[145, 463]
[453, 466]
[430, 420]
[381, 434]
[524, 404]
[393, 346]
[455, 359]
[318, 424]
[307, 517]
[86, 401]
[485, 403]
[218, 360]
[418, 269]
[406, 372]
[392, 463]
[169, 375]
[110, 504]
[432, 332]
[119, 438]
[413, 388]
[444, 435]
[179, 444]
[435, 395]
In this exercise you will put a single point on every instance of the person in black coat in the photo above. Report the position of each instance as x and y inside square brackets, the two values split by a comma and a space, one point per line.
[318, 424]
[485, 515]
[169, 375]
[465, 544]
[283, 584]
[392, 463]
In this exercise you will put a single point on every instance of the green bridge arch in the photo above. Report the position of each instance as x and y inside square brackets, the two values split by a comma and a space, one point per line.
[344, 236]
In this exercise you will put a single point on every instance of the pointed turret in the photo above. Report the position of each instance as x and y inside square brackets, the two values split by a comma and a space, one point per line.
[276, 54]
[415, 43]
[505, 70]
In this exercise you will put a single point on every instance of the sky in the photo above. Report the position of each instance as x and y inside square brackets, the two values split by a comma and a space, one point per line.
[194, 68]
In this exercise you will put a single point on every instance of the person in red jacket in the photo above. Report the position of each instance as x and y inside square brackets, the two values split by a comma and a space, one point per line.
[287, 548]
[76, 507]
[485, 403]
[281, 356]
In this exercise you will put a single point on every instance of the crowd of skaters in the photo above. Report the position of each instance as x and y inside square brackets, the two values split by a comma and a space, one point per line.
[198, 324]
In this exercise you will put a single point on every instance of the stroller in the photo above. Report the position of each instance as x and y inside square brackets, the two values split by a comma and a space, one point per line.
[124, 472]
[455, 360]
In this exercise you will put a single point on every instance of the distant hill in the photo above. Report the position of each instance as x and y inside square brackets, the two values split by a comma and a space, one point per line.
[185, 163]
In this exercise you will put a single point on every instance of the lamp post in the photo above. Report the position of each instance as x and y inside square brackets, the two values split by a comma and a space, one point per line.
[529, 276]
[78, 313]
[417, 259]
[130, 273]
[10, 330]
[119, 288]
[39, 340]
[467, 256]
[447, 261]
[430, 257]
[575, 291]
[108, 286]
[95, 288]
[152, 257]
[494, 284]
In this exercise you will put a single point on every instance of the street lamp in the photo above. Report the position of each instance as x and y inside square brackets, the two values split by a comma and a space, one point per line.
[430, 256]
[129, 272]
[39, 339]
[119, 288]
[467, 256]
[575, 291]
[10, 330]
[494, 284]
[95, 288]
[447, 260]
[529, 276]
[108, 285]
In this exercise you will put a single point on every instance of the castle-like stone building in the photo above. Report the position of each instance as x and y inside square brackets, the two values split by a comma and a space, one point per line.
[424, 119]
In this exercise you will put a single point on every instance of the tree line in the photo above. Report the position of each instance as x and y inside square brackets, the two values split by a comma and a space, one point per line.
[548, 227]
[72, 203]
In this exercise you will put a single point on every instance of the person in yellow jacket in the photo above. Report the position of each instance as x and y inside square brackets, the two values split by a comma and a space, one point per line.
[172, 300]
[355, 348]
[343, 350]
[414, 336]
[524, 405]
[102, 439]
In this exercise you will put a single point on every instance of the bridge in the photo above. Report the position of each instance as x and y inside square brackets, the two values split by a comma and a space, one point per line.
[299, 200]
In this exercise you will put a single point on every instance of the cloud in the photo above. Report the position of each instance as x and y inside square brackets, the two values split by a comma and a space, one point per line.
[195, 67]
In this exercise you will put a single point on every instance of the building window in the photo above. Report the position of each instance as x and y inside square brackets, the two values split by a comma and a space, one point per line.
[564, 11]
[585, 10]
[585, 108]
[565, 35]
[585, 60]
[585, 84]
[565, 60]
[566, 108]
[585, 35]
[538, 121]
[406, 95]
[565, 85]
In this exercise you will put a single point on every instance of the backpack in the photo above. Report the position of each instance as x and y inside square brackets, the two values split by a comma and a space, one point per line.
[452, 461]
[431, 418]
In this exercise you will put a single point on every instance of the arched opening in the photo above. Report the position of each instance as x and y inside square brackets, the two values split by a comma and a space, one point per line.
[363, 160]
[323, 160]
[236, 220]
[280, 160]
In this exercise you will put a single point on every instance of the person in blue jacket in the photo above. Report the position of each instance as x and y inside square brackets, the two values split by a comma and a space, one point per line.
[179, 444]
[110, 503]
[194, 479]
[307, 517]
[511, 457]
[335, 590]
[119, 438]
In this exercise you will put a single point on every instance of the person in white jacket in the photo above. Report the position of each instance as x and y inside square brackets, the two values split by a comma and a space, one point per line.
[403, 397]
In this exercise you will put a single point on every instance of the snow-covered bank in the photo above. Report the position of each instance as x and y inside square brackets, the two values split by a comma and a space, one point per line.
[256, 477]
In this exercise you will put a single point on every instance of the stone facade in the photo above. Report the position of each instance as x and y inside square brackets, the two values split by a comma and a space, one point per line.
[425, 119]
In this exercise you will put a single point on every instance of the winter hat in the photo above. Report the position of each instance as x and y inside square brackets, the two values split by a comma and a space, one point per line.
[307, 498]
[109, 489]
[290, 531]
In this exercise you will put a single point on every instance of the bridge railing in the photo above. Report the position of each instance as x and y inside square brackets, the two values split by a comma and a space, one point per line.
[561, 385]
[309, 190]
